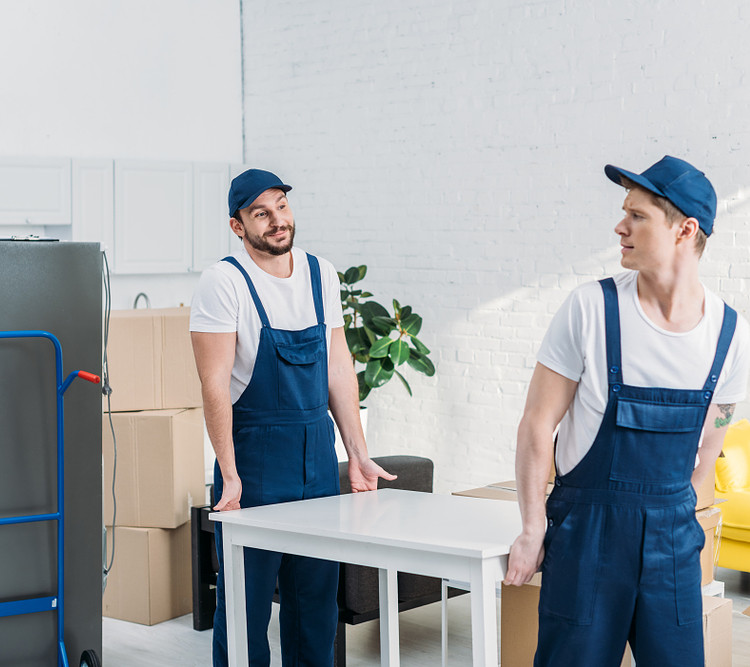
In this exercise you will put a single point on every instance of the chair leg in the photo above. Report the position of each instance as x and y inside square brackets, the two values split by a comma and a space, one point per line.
[339, 646]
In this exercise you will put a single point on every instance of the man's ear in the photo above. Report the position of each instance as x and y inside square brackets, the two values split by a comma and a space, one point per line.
[237, 228]
[688, 228]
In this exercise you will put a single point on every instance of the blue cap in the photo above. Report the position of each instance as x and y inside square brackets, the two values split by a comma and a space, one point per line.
[249, 185]
[680, 182]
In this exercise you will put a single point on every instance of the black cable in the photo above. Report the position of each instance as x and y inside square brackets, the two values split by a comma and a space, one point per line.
[107, 391]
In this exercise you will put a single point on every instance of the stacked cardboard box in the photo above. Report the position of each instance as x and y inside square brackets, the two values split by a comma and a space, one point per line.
[519, 605]
[158, 424]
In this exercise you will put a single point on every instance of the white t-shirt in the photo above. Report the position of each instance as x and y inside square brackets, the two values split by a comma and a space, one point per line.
[222, 303]
[575, 347]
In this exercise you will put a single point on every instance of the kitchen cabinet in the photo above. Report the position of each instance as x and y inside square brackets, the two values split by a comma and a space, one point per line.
[35, 191]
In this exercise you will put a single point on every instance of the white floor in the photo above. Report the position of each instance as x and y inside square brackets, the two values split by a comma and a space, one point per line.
[176, 643]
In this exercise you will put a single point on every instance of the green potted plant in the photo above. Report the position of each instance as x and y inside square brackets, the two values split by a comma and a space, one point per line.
[379, 340]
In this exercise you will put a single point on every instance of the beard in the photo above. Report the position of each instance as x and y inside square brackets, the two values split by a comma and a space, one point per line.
[262, 243]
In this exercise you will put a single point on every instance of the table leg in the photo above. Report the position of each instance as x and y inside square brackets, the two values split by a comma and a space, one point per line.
[234, 588]
[388, 588]
[483, 616]
[444, 621]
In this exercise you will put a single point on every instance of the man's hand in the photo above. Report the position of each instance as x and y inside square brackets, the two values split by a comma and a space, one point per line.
[363, 475]
[230, 497]
[526, 556]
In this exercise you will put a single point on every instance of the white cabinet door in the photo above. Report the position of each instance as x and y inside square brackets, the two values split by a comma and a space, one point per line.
[35, 191]
[153, 217]
[210, 216]
[93, 202]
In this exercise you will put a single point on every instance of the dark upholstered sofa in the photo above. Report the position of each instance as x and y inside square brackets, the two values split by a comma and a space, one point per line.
[358, 585]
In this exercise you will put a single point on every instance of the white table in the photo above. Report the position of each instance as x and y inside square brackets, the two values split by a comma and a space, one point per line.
[451, 537]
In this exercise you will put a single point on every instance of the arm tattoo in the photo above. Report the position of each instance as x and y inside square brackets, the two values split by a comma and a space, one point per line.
[727, 409]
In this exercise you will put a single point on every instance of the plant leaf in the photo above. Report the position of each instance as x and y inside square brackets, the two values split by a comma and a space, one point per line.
[354, 340]
[406, 384]
[382, 325]
[380, 347]
[366, 295]
[421, 347]
[369, 335]
[412, 324]
[421, 363]
[405, 312]
[362, 269]
[341, 276]
[351, 275]
[378, 372]
[396, 308]
[364, 388]
[371, 309]
[398, 352]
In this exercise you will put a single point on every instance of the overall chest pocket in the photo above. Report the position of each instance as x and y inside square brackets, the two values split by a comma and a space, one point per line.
[655, 443]
[302, 373]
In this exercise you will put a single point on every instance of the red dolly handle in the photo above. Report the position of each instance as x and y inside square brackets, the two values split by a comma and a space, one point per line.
[89, 377]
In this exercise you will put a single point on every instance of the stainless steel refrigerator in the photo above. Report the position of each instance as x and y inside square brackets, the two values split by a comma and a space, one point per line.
[56, 287]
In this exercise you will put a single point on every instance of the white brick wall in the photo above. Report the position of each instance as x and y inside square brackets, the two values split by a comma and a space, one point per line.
[457, 149]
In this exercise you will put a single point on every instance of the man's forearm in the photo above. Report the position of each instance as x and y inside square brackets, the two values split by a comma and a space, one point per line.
[343, 400]
[217, 411]
[533, 463]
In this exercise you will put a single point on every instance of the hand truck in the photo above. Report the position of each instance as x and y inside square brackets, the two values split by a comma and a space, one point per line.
[53, 602]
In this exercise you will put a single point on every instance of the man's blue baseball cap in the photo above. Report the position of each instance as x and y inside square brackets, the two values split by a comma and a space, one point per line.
[680, 182]
[249, 185]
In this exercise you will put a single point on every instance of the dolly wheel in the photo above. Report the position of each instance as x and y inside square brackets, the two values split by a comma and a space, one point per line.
[89, 658]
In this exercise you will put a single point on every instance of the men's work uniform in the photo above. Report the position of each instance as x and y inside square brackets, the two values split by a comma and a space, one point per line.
[622, 545]
[283, 441]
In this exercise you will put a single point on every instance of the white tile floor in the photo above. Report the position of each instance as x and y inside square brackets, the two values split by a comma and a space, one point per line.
[176, 643]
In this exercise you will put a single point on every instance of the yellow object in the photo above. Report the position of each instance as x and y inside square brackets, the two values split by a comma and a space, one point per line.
[733, 485]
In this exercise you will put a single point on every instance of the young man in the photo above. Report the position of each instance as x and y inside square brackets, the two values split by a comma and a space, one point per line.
[269, 345]
[641, 372]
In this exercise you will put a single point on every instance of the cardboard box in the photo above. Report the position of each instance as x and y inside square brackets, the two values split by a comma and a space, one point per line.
[519, 626]
[151, 362]
[491, 492]
[160, 471]
[708, 519]
[150, 581]
[717, 631]
[706, 493]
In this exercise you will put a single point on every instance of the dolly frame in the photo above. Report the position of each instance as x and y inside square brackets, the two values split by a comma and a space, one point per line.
[51, 602]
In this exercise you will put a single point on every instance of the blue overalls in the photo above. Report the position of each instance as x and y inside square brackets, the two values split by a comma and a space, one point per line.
[283, 442]
[622, 544]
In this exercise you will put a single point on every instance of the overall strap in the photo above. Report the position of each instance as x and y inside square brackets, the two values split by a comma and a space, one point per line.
[317, 288]
[253, 293]
[612, 329]
[722, 347]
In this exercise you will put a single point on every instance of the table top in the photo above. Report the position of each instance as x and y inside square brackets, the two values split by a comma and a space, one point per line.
[456, 525]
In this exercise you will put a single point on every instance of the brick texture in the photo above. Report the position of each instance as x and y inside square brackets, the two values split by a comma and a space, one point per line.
[457, 149]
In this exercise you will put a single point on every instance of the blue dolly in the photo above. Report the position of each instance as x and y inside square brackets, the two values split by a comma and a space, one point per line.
[53, 602]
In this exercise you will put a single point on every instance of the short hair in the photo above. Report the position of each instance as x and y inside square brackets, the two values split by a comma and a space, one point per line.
[672, 213]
